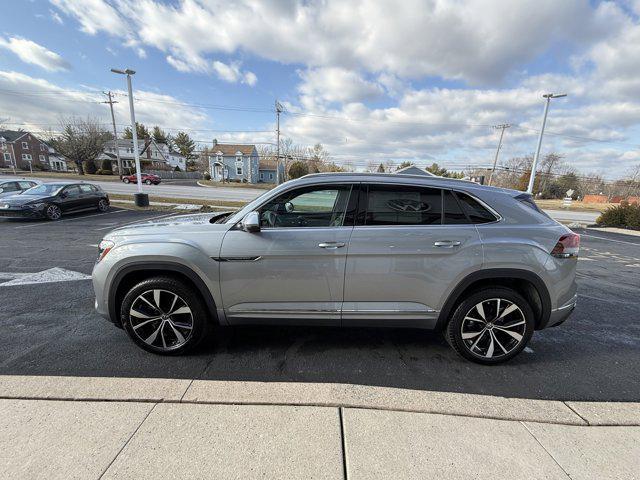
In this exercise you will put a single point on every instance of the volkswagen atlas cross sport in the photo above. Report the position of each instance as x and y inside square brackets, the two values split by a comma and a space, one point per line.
[483, 265]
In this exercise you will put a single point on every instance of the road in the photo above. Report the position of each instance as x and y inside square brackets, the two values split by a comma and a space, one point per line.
[572, 216]
[52, 329]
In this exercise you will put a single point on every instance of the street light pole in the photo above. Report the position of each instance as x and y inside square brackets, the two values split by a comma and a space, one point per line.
[141, 199]
[532, 177]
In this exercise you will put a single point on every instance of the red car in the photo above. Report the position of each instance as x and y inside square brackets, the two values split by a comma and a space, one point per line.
[147, 178]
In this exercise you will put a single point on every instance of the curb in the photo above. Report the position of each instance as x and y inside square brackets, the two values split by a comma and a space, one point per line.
[160, 390]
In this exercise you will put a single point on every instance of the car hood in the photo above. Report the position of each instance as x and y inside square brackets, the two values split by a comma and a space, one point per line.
[172, 224]
[18, 200]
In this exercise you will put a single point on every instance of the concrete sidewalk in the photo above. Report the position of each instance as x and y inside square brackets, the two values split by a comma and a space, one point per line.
[89, 439]
[94, 427]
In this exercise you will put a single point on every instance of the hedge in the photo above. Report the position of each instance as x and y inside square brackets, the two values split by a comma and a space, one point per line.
[625, 215]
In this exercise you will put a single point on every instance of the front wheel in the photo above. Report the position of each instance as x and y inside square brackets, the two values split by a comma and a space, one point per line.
[52, 212]
[147, 182]
[103, 205]
[126, 180]
[491, 326]
[163, 315]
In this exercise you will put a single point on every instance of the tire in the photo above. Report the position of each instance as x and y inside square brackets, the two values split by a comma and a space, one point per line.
[486, 334]
[169, 333]
[103, 205]
[126, 180]
[147, 182]
[52, 212]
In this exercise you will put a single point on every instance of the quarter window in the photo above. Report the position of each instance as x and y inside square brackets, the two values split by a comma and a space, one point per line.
[327, 206]
[402, 205]
[476, 212]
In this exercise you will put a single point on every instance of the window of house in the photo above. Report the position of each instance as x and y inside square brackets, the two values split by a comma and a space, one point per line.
[26, 156]
[25, 145]
[7, 157]
[261, 176]
[271, 176]
[41, 158]
[42, 148]
[238, 165]
[402, 205]
[316, 206]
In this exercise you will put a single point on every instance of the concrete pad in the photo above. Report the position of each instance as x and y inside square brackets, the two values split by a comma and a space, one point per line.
[92, 388]
[384, 398]
[53, 439]
[597, 453]
[233, 441]
[400, 445]
[608, 413]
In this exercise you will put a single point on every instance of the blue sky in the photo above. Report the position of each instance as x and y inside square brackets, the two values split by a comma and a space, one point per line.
[374, 81]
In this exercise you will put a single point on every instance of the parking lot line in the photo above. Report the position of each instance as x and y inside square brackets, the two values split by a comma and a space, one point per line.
[72, 219]
[609, 239]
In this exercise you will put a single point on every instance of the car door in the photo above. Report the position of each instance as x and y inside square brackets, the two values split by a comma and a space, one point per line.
[404, 256]
[69, 199]
[88, 197]
[292, 270]
[9, 188]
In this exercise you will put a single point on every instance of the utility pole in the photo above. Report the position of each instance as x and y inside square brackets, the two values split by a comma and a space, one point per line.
[503, 127]
[115, 132]
[548, 96]
[278, 111]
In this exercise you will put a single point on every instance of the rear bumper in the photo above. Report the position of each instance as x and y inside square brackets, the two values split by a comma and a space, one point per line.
[559, 315]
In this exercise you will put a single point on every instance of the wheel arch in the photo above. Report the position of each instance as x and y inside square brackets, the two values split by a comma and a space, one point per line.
[525, 282]
[131, 274]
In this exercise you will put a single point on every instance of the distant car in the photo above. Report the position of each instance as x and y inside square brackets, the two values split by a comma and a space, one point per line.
[15, 186]
[52, 200]
[147, 178]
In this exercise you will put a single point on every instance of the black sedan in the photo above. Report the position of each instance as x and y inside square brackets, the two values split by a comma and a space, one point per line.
[52, 200]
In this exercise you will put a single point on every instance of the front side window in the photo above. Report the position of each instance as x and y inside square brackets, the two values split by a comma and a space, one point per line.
[401, 205]
[326, 206]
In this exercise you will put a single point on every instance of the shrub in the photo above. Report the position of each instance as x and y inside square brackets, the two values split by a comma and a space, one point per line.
[207, 176]
[90, 167]
[624, 215]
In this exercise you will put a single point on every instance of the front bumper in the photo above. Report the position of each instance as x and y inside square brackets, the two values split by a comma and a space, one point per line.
[20, 212]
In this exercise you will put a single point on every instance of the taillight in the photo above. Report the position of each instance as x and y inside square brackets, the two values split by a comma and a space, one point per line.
[568, 246]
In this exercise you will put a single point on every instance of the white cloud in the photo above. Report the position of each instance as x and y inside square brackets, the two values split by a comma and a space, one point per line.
[35, 54]
[334, 84]
[56, 17]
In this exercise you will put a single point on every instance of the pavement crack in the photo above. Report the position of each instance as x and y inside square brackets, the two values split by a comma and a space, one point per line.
[545, 449]
[343, 442]
[127, 442]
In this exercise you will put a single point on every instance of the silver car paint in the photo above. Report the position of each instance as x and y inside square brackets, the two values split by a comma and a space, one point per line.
[383, 275]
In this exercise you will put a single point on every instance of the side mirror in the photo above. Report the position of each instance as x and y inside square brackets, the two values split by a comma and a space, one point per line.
[288, 207]
[251, 222]
[1, 190]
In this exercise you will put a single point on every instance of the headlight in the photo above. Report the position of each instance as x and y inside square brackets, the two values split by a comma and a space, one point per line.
[103, 248]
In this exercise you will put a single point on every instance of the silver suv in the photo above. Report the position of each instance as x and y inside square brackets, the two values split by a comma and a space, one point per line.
[483, 265]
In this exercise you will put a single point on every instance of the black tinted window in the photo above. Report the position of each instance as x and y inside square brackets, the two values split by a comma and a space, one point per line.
[453, 213]
[9, 187]
[402, 205]
[476, 212]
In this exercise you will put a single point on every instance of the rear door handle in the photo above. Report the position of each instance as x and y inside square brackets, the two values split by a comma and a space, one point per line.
[331, 245]
[447, 243]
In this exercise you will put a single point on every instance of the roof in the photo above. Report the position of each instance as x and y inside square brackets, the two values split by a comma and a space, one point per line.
[413, 170]
[268, 164]
[230, 149]
[12, 135]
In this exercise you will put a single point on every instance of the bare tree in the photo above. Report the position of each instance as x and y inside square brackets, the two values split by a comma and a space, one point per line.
[81, 140]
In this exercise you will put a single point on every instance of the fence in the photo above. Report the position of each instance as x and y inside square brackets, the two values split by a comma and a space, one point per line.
[170, 174]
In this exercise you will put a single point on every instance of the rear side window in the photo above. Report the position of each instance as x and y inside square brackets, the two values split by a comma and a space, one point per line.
[476, 212]
[86, 189]
[453, 213]
[402, 205]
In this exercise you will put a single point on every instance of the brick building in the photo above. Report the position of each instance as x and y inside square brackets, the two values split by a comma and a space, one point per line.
[21, 148]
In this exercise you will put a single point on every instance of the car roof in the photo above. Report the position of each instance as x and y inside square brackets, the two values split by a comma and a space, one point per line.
[17, 179]
[399, 178]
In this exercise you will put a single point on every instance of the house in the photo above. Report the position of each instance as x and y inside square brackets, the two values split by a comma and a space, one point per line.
[413, 170]
[23, 150]
[153, 155]
[233, 162]
[57, 162]
[268, 171]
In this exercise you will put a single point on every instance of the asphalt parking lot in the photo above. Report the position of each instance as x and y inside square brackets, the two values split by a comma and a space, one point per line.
[51, 329]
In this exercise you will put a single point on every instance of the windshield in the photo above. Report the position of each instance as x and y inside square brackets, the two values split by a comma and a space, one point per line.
[47, 189]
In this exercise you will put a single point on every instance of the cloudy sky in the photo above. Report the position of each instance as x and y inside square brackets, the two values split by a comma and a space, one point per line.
[372, 80]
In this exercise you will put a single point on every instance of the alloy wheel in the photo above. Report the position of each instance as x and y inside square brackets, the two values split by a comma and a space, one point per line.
[492, 328]
[53, 212]
[161, 319]
[103, 206]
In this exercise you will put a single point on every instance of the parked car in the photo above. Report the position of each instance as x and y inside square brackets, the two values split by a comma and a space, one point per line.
[14, 186]
[147, 178]
[481, 264]
[52, 200]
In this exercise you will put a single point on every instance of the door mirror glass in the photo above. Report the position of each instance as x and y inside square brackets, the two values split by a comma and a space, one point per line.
[251, 223]
[289, 207]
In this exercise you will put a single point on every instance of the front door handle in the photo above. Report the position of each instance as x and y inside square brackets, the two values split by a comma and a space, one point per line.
[447, 243]
[331, 245]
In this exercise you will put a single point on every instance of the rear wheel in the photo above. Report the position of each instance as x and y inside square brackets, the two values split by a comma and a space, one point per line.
[163, 315]
[52, 212]
[147, 182]
[491, 326]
